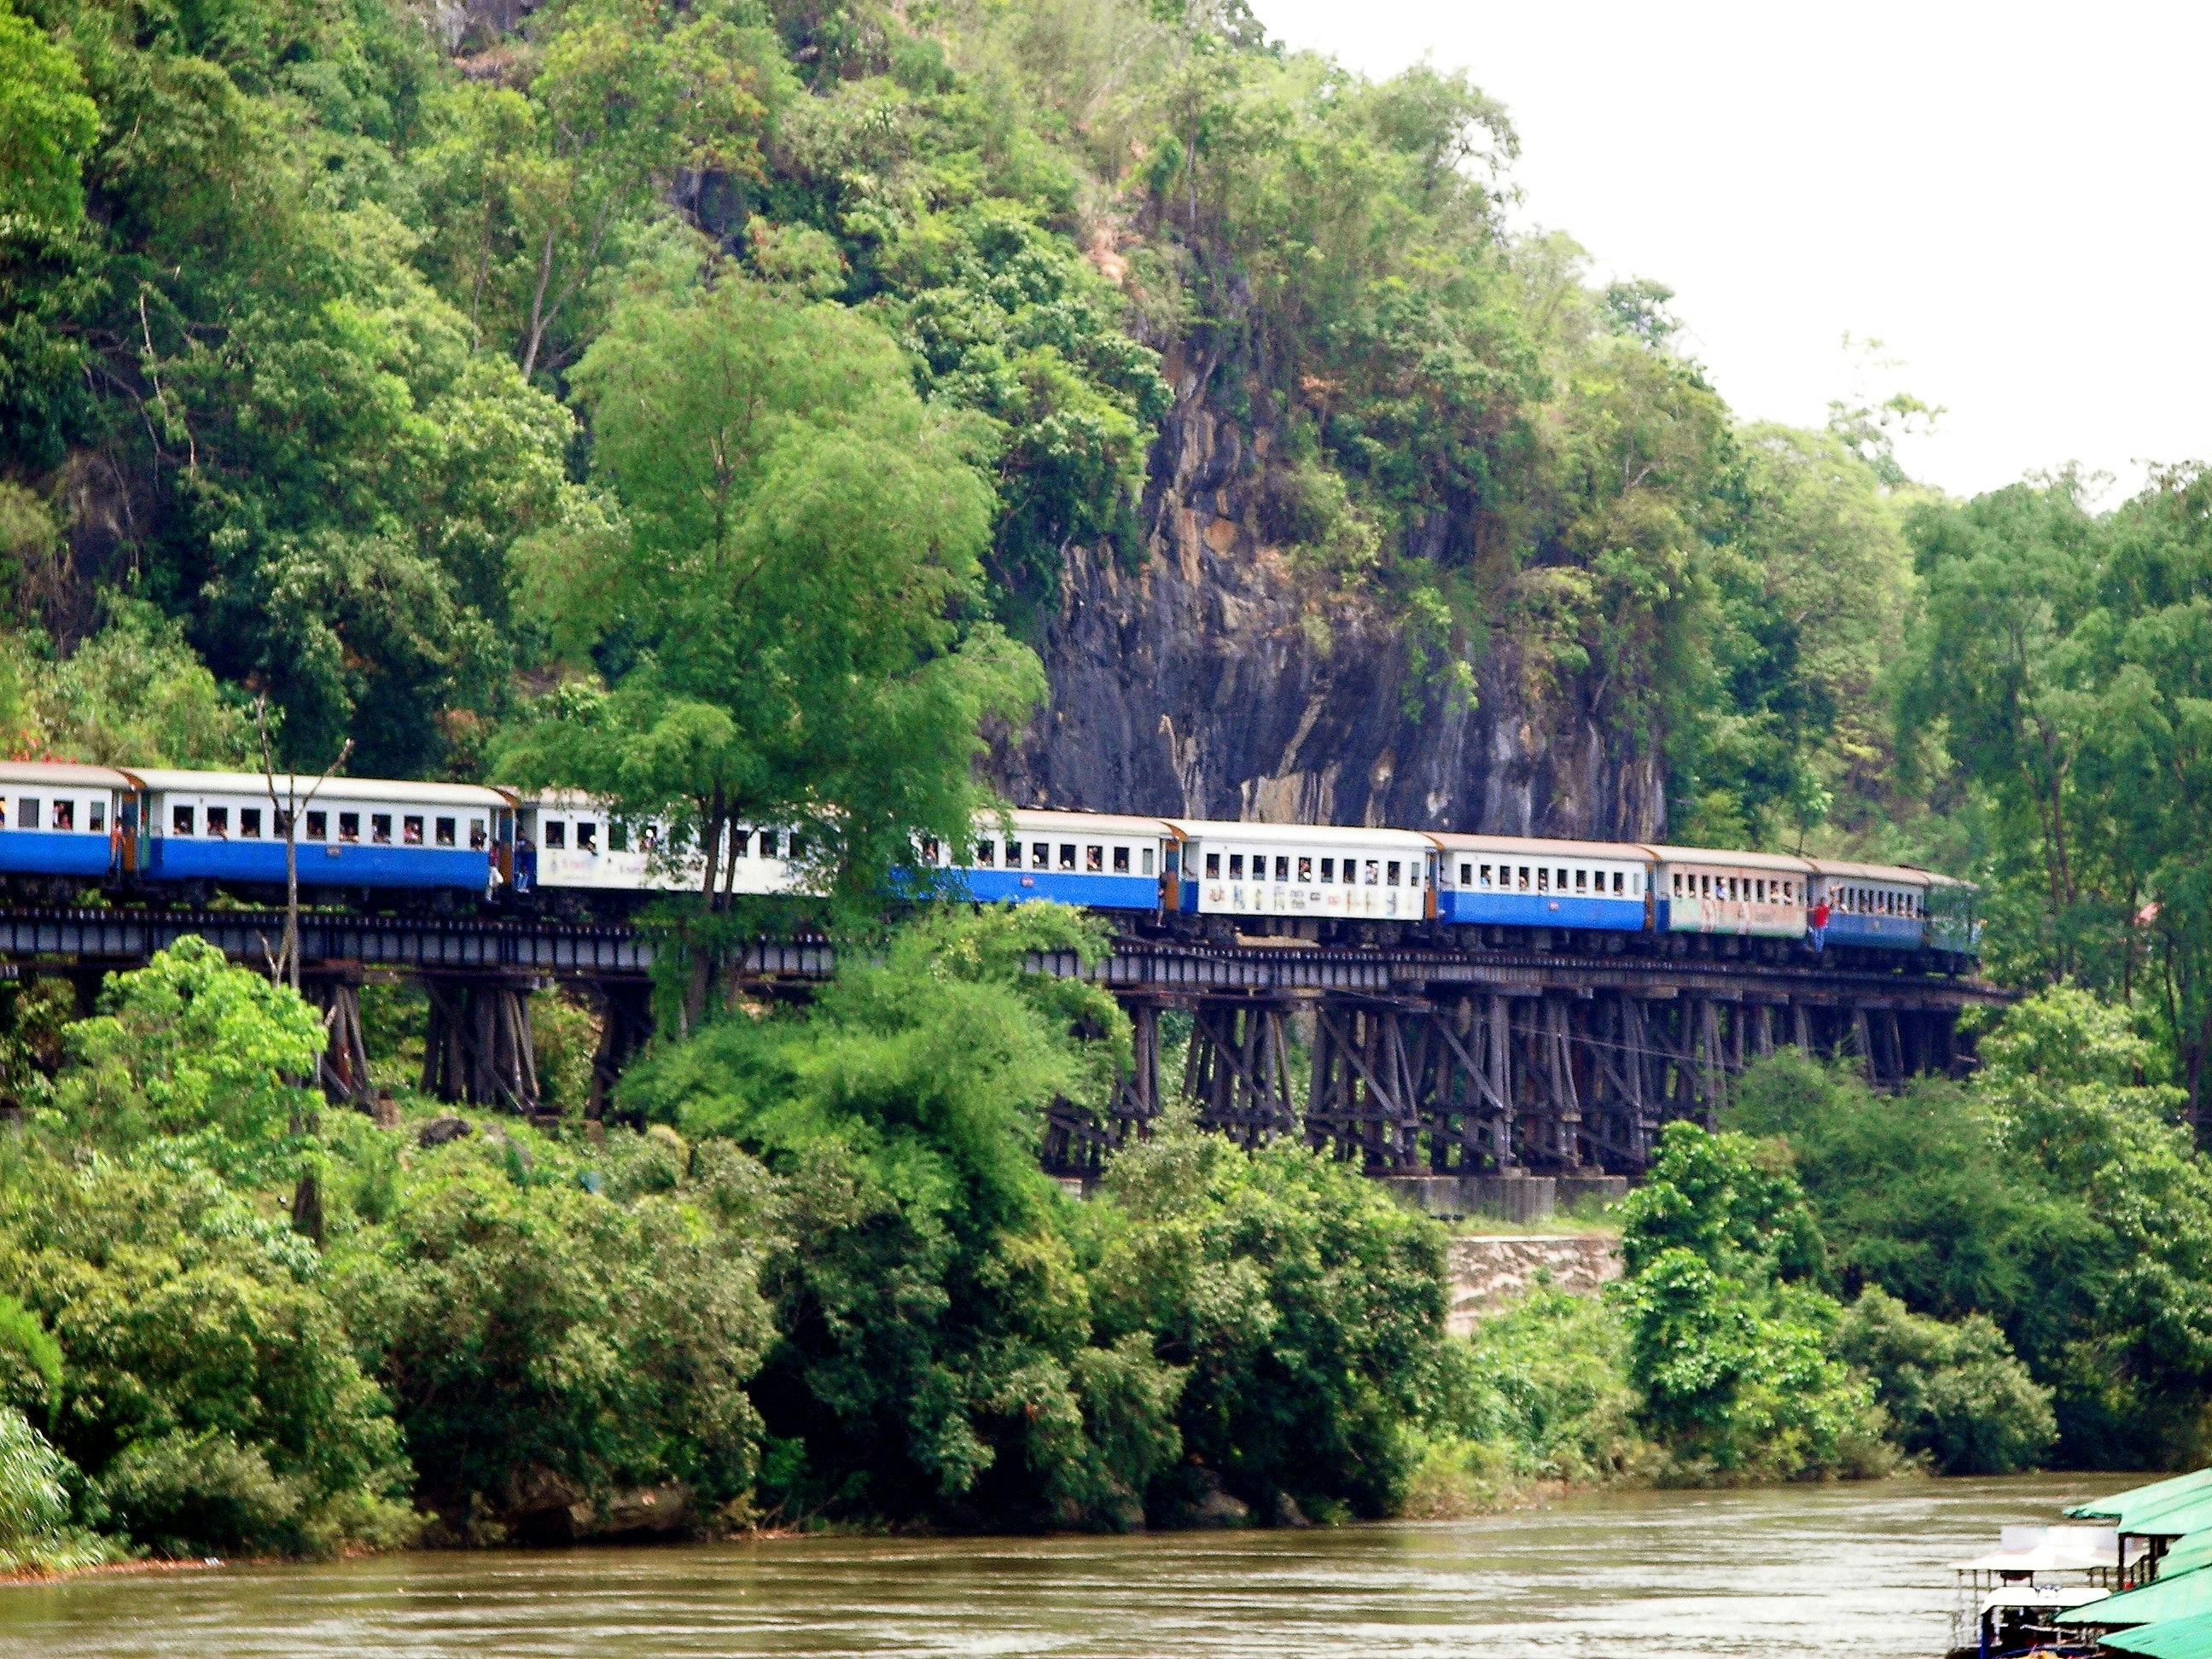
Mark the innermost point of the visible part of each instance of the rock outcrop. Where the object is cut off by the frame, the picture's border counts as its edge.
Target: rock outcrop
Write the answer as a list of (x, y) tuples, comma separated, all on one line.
[(1210, 680)]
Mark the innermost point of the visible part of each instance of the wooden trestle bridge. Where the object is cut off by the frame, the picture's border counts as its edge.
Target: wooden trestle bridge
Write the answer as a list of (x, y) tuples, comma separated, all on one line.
[(1418, 1060)]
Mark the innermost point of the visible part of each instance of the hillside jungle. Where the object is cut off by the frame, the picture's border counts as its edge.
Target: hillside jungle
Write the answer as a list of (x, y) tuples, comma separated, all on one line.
[(842, 414)]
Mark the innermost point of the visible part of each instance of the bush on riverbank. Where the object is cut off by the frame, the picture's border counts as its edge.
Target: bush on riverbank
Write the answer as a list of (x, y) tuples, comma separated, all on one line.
[(2054, 1192)]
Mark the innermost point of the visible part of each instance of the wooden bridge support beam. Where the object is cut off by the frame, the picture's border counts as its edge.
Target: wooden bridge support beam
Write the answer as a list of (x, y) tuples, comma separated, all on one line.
[(478, 1046), (1237, 1074), (342, 1071), (1363, 1100), (1463, 1086), (625, 1027)]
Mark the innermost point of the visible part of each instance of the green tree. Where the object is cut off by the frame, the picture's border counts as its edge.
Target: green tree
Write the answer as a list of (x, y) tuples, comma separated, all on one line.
[(545, 1344), (540, 191), (1307, 1305), (935, 1356), (1733, 1355), (781, 586), (1954, 1393), (197, 1051)]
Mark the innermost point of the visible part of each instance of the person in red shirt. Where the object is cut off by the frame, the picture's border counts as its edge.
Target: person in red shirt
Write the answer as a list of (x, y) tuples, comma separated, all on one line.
[(1818, 938)]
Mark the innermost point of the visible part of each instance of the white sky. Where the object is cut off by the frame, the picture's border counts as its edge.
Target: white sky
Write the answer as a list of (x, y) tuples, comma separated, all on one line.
[(2014, 201)]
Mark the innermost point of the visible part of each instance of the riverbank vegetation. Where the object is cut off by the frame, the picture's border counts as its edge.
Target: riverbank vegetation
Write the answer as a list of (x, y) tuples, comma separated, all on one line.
[(826, 1283)]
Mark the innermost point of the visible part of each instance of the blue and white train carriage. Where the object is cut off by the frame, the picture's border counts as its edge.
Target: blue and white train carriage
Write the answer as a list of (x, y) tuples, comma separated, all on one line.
[(1098, 860), (204, 830), (1880, 906), (62, 824), (1512, 881)]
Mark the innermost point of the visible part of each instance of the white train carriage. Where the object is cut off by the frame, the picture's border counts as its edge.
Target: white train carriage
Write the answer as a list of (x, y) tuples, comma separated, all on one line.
[(1747, 895), (1882, 905), (569, 842), (1300, 873), (1515, 881)]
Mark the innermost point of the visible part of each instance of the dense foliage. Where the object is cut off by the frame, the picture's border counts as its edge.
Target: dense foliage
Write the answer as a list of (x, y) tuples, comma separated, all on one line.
[(2054, 1195)]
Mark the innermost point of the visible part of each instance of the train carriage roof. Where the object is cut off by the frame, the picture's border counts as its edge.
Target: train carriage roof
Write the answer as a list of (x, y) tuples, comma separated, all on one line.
[(393, 791), (1721, 858), (1026, 818), (1542, 847), (1301, 834), (63, 775), (1903, 875)]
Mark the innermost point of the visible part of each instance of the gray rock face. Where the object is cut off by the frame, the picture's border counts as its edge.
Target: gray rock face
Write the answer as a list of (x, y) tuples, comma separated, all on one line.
[(1209, 682)]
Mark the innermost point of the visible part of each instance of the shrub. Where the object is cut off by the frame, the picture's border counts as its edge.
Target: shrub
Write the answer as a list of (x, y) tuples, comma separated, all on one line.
[(201, 1494), (531, 1331), (1307, 1305), (182, 1315), (1955, 1394)]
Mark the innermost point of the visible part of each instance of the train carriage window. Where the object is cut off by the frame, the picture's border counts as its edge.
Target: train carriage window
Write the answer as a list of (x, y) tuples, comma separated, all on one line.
[(1485, 876), (27, 813), (1236, 866), (1524, 878), (1094, 858), (1374, 874), (1120, 861), (794, 846), (1040, 856), (1329, 873), (318, 826), (556, 832), (1543, 879), (1145, 867), (1466, 875), (1213, 866), (410, 829), (1582, 881), (3, 814), (587, 836), (1390, 876), (95, 816), (249, 822), (181, 818), (1562, 875), (1068, 855), (379, 828), (986, 852), (1678, 884), (1305, 871), (1282, 867), (476, 834), (218, 821), (64, 815), (443, 831)]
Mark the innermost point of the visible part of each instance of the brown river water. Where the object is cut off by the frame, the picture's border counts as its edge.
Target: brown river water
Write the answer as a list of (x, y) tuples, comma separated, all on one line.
[(1849, 1569)]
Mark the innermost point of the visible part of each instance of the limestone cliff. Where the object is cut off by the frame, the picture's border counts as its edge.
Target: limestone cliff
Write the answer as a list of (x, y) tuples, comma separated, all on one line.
[(1209, 682)]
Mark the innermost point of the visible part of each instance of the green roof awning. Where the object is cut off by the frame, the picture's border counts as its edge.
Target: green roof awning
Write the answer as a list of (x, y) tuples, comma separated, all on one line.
[(2183, 1595), (2174, 1517), (2186, 1555), (2170, 1638), (2123, 1506)]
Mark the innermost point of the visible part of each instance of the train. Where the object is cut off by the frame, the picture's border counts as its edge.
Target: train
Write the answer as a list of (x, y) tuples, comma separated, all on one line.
[(167, 835)]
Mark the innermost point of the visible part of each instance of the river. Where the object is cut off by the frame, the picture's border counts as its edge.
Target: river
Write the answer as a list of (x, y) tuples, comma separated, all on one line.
[(1820, 1570)]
